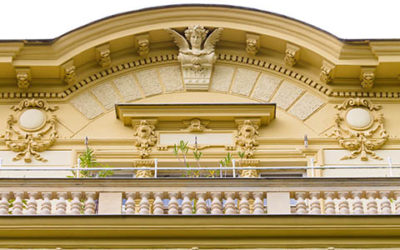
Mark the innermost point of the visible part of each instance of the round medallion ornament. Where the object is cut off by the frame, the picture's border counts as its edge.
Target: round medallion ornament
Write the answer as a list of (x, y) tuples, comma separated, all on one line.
[(359, 118), (32, 119)]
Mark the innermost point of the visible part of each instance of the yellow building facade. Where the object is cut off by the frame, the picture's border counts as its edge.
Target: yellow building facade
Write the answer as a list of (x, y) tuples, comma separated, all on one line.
[(202, 127)]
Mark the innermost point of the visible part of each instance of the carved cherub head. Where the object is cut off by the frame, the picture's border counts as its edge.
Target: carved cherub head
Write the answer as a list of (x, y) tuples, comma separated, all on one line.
[(196, 35)]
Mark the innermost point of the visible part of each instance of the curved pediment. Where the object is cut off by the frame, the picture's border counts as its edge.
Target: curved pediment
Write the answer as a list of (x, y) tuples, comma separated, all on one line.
[(56, 68)]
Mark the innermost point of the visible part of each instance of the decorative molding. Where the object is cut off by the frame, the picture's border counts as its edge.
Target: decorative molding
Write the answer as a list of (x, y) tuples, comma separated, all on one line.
[(367, 77), (252, 44), (144, 163), (69, 72), (359, 128), (249, 173), (197, 55), (145, 137), (103, 55), (246, 136), (33, 132), (326, 75), (23, 77), (222, 57), (292, 55), (195, 125), (143, 45)]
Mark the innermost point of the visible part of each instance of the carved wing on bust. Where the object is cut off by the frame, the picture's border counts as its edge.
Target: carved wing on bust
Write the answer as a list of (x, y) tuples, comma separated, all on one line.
[(212, 39), (179, 40)]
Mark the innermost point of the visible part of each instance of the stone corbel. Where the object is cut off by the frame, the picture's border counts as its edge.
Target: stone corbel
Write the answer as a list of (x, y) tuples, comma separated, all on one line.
[(292, 55), (103, 55), (246, 136), (143, 45), (23, 77), (145, 137), (327, 71), (367, 77), (252, 44), (68, 71)]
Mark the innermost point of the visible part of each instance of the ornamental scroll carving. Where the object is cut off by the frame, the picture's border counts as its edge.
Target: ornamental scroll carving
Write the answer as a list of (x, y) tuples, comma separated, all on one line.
[(33, 131), (145, 137), (196, 54), (359, 128)]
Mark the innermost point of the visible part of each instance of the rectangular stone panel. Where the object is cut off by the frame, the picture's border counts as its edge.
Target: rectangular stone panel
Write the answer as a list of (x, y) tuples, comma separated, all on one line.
[(266, 87), (148, 79), (87, 105), (171, 77), (305, 106), (286, 95), (222, 78), (106, 94), (244, 81), (128, 88), (278, 203), (110, 203)]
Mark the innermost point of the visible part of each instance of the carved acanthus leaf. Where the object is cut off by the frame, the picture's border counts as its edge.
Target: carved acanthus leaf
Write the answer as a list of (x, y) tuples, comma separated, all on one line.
[(34, 103)]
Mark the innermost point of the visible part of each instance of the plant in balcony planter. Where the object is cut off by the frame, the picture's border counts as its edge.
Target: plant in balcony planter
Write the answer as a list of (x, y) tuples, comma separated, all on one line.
[(182, 149), (88, 160)]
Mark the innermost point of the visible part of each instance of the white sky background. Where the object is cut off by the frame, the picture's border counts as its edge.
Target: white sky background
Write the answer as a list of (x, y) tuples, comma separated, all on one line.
[(349, 19)]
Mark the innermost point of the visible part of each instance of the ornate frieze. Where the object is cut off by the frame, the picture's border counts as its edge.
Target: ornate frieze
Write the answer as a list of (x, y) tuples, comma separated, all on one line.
[(197, 55), (103, 55), (33, 131), (143, 45), (145, 137), (367, 77), (359, 128), (252, 44), (292, 55)]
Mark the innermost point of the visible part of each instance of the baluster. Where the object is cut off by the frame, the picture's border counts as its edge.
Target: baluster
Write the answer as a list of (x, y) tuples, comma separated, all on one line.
[(315, 205), (397, 202), (201, 205), (187, 203), (343, 203), (130, 203), (358, 207), (329, 203), (372, 205), (386, 206), (144, 205), (158, 203), (61, 206), (244, 206), (32, 203), (230, 207), (18, 205), (45, 207), (173, 205), (216, 204), (301, 206), (76, 204), (258, 202), (90, 203), (4, 205)]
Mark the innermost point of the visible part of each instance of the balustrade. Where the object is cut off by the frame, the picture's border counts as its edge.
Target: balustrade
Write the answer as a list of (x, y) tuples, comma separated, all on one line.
[(240, 197)]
